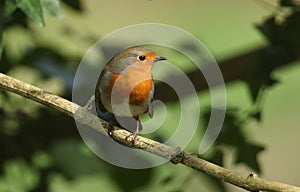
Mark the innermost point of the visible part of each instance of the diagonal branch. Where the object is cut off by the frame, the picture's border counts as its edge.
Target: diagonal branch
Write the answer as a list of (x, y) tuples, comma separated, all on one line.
[(249, 182)]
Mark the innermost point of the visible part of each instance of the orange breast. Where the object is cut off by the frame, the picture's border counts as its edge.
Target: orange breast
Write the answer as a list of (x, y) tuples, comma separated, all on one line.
[(134, 85), (140, 93)]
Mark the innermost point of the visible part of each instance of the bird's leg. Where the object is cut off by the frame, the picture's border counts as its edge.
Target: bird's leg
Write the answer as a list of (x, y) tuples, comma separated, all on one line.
[(138, 124), (136, 132), (111, 126)]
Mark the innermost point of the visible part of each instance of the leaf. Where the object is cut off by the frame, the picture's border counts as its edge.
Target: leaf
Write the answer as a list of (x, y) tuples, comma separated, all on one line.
[(69, 166), (255, 84), (18, 176), (90, 182), (231, 133), (33, 9), (269, 28), (247, 154), (9, 7), (217, 158), (1, 42), (291, 29), (75, 4), (288, 3), (52, 7), (41, 160)]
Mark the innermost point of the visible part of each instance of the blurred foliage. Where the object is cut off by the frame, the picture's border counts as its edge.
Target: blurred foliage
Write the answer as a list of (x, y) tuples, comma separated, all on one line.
[(41, 149), (282, 31)]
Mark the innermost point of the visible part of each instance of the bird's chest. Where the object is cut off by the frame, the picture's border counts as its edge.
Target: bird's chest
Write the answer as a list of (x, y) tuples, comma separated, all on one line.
[(131, 91)]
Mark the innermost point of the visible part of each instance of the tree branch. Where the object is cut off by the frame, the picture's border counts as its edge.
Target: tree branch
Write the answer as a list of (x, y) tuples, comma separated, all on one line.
[(83, 115)]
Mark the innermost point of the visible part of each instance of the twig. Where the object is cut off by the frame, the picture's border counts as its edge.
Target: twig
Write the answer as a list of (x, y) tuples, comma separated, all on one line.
[(84, 116)]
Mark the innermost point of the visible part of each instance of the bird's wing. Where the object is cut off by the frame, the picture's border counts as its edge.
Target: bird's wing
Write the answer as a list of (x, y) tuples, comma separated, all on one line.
[(151, 105), (98, 103), (151, 109)]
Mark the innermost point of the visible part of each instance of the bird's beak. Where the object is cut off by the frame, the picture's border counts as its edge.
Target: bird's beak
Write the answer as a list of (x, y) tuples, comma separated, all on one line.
[(158, 58)]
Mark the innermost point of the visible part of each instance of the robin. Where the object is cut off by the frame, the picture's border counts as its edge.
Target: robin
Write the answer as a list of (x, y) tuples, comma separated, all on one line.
[(125, 86)]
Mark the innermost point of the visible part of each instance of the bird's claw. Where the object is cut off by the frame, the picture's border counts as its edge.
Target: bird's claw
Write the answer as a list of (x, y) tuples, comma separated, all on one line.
[(134, 136)]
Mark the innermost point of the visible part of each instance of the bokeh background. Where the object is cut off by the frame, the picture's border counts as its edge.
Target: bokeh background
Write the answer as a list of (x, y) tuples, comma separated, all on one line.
[(41, 149)]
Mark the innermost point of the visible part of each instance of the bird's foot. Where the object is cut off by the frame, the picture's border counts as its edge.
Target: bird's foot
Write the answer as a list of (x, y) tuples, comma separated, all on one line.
[(111, 128), (134, 136)]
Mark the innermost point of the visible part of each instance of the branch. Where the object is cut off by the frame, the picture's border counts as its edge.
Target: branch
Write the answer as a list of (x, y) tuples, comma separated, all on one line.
[(83, 115)]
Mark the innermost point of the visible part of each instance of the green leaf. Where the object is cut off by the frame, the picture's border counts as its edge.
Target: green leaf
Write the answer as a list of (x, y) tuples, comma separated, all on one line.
[(18, 176), (1, 42), (73, 150), (288, 3), (217, 158), (90, 182), (255, 84), (33, 9), (52, 7), (74, 4), (270, 29), (248, 155), (9, 7), (231, 133), (41, 160)]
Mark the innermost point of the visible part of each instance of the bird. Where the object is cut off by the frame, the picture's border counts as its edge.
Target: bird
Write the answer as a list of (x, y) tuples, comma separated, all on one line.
[(125, 86)]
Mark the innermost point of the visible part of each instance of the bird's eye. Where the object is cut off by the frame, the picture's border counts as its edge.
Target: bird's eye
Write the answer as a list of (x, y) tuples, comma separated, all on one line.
[(142, 57)]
